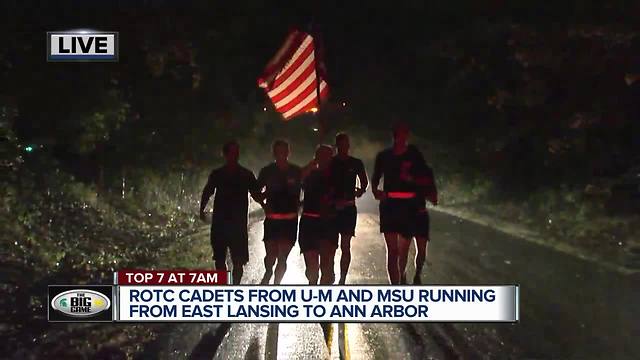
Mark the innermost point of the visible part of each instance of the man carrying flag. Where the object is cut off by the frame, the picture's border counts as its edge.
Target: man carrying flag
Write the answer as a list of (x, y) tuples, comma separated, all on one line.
[(293, 79)]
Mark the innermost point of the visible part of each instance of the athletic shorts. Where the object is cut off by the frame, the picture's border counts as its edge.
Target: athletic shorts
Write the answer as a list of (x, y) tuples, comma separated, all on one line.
[(230, 234), (398, 216), (422, 224), (346, 220), (317, 232), (275, 229)]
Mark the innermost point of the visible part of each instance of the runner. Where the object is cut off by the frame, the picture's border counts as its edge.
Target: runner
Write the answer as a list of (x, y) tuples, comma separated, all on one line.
[(317, 236), (345, 169), (399, 166), (230, 183), (282, 182), (428, 191)]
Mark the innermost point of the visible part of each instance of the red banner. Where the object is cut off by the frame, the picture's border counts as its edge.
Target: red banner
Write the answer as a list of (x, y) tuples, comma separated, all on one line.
[(171, 277)]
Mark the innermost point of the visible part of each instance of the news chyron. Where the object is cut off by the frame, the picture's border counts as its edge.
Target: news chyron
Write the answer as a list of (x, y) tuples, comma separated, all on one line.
[(82, 46)]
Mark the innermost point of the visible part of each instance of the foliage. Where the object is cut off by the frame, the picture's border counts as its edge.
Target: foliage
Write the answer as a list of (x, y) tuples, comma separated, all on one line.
[(55, 230)]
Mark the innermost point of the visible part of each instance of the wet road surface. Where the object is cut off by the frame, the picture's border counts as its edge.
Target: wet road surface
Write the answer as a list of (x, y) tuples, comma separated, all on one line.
[(569, 308)]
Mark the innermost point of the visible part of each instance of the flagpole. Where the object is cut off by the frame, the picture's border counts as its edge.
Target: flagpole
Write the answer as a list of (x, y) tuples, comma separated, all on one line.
[(319, 113), (321, 125)]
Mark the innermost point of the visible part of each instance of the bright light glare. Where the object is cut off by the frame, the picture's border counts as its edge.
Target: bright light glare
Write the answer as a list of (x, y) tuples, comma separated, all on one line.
[(314, 109), (347, 340), (315, 129), (81, 31)]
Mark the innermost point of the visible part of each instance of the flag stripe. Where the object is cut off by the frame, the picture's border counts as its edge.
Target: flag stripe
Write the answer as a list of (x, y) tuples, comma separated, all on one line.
[(304, 46), (296, 90), (291, 78), (302, 94), (298, 76), (280, 59), (314, 103), (306, 104), (300, 58)]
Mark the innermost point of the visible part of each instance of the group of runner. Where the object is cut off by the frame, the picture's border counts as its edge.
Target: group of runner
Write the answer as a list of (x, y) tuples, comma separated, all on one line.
[(330, 184)]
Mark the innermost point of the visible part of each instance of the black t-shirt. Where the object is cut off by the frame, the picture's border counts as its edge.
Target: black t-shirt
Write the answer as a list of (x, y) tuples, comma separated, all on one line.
[(399, 171), (344, 173), (231, 187), (318, 192), (282, 187)]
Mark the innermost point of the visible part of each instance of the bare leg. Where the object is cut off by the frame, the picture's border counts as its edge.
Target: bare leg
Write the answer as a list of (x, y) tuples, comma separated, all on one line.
[(271, 248), (312, 263), (392, 257), (403, 253), (421, 256), (284, 248), (327, 260), (345, 259)]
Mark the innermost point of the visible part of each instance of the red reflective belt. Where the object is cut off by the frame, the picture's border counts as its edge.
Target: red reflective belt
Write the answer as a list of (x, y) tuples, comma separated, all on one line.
[(282, 216), (310, 214), (344, 203), (401, 195)]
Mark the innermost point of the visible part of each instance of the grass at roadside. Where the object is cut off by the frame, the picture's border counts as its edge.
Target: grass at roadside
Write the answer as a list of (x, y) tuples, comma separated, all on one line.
[(61, 234), (572, 219)]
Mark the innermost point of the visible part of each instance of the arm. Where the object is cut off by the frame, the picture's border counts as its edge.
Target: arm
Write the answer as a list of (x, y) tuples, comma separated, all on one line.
[(207, 192), (260, 194), (427, 185), (432, 194), (364, 181), (329, 197), (312, 165), (425, 179), (377, 175), (301, 181), (255, 190)]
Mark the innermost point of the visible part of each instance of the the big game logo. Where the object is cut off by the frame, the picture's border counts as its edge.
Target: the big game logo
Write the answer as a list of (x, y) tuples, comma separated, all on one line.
[(82, 303)]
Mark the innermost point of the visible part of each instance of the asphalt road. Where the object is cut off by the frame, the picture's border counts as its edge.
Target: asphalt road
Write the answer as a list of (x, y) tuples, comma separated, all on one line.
[(569, 308)]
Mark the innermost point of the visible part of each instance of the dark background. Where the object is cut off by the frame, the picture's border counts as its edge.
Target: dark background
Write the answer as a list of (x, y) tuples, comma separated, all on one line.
[(490, 78)]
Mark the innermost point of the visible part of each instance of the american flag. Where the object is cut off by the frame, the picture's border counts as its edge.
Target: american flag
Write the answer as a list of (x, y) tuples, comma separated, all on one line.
[(291, 77)]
